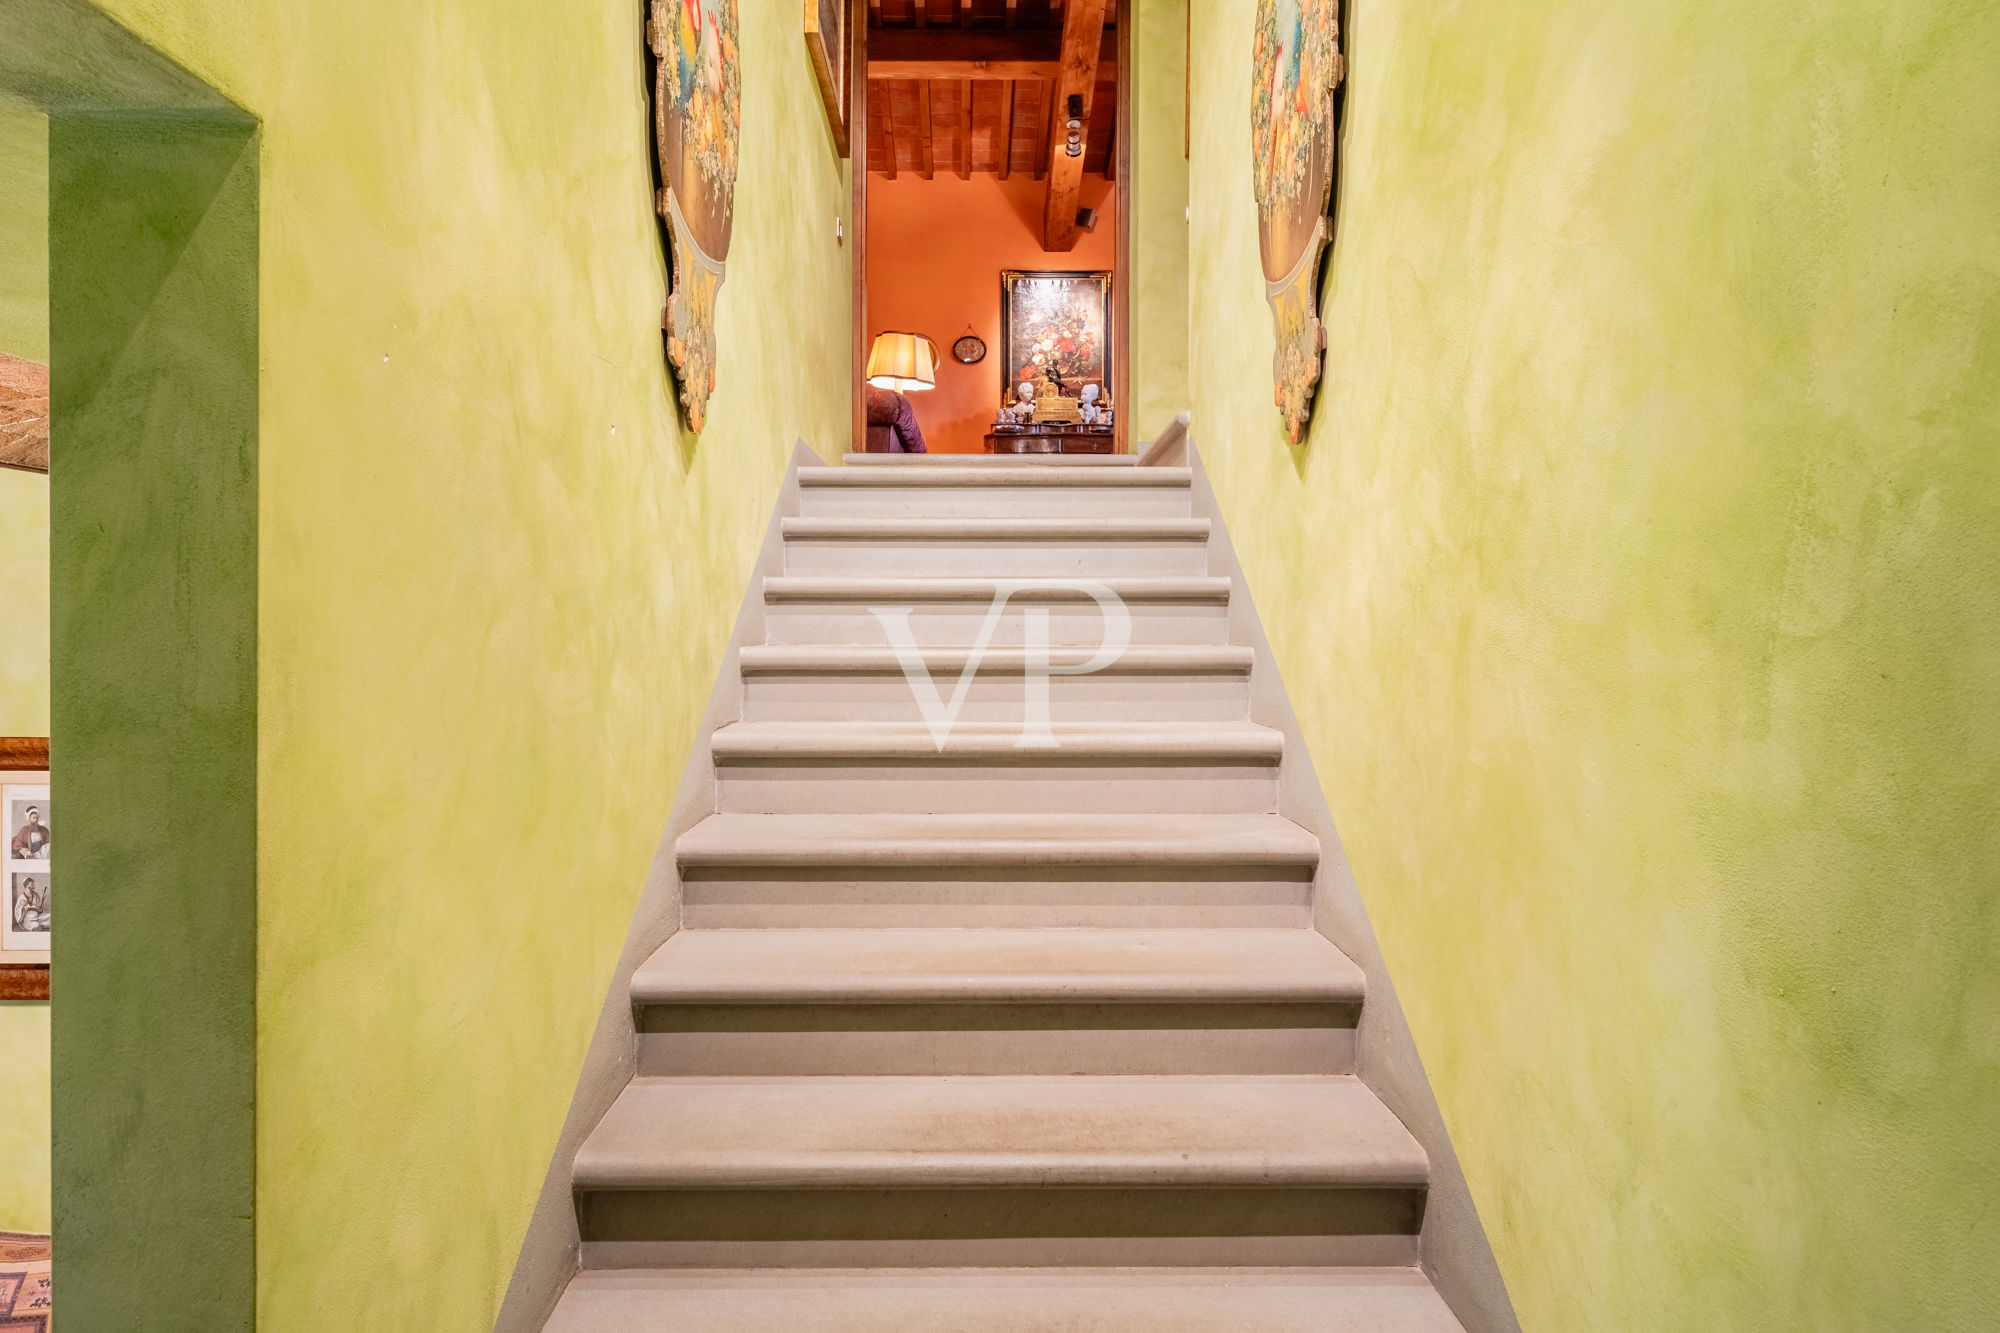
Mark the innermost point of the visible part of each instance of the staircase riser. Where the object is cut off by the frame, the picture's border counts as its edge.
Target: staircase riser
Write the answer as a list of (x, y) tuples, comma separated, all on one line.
[(1246, 896), (919, 787), (925, 1228), (972, 558), (788, 1040), (997, 502), (958, 625), (999, 698), (1365, 1251)]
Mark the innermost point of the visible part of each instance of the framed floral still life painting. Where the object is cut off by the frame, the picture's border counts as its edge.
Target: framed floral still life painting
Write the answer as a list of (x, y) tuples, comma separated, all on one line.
[(27, 837), (1294, 139), (697, 124), (1055, 330)]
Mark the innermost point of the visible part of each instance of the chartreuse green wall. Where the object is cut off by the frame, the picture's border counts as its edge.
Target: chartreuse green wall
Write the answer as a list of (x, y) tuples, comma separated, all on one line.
[(24, 496), (1638, 588), (1159, 237), (24, 227), (24, 633), (494, 578)]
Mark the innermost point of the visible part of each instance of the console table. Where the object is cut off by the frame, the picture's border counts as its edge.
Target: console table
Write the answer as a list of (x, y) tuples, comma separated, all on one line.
[(1052, 440)]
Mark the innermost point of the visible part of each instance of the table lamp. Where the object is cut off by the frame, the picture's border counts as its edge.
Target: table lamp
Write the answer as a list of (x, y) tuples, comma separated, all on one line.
[(902, 361)]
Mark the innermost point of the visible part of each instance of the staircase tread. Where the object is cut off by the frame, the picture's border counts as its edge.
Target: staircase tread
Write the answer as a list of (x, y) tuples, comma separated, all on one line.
[(917, 587), (1014, 1300), (953, 1131), (999, 741), (916, 965), (1030, 477), (1004, 529), (765, 658), (996, 839)]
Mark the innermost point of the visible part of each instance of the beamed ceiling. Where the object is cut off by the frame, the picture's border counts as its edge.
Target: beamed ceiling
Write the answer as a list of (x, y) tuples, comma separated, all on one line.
[(963, 86)]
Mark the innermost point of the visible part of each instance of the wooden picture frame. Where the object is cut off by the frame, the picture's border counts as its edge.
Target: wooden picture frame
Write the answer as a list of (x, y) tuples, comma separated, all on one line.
[(828, 47), (24, 763)]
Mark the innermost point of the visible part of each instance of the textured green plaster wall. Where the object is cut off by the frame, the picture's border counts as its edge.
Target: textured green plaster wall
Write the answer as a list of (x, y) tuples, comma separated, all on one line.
[(24, 633), (24, 1118), (24, 230), (496, 579), (24, 607), (24, 496), (1638, 588), (153, 711), (1159, 255)]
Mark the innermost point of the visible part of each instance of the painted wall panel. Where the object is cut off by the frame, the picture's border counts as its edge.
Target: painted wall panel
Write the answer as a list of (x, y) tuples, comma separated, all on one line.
[(495, 578), (1638, 588)]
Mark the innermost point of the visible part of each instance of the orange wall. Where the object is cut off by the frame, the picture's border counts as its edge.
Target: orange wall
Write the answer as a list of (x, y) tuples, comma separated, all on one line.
[(935, 251)]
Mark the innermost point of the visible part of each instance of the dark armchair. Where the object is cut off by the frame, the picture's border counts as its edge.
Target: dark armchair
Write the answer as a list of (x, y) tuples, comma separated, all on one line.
[(892, 424)]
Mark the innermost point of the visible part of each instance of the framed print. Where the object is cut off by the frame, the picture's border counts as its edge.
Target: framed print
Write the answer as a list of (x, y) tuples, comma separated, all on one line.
[(826, 43), (27, 836), (1055, 329)]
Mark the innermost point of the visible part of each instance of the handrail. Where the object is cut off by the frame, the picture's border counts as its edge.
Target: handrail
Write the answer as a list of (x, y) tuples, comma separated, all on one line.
[(1170, 450)]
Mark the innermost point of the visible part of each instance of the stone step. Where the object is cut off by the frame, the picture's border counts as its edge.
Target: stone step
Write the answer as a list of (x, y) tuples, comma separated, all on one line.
[(1111, 768), (974, 492), (1017, 1169), (1170, 683), (891, 1300), (954, 1001), (1094, 548), (809, 610), (1065, 869)]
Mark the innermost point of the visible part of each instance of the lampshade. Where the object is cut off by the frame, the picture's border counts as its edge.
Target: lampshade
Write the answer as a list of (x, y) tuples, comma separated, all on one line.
[(902, 361)]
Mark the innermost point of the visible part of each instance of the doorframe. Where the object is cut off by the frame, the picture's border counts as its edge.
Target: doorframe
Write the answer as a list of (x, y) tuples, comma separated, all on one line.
[(857, 229), (1121, 280), (857, 166)]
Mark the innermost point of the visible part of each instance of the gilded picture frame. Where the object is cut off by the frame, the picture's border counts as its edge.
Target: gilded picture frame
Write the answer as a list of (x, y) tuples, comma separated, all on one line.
[(1055, 325)]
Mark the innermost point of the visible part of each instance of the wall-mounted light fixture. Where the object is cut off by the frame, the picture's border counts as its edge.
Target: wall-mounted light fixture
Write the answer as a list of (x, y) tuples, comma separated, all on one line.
[(1073, 145)]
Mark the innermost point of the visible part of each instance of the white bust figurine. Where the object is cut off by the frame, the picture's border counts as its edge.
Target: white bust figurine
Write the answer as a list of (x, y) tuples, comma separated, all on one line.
[(1022, 410), (1087, 408)]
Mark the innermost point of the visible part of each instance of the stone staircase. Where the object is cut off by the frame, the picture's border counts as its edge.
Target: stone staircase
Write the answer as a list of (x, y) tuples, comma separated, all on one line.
[(977, 1036)]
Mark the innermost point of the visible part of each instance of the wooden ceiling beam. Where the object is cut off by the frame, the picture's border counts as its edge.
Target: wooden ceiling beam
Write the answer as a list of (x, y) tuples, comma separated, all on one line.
[(1047, 92), (1006, 128), (1024, 53), (1083, 39), (928, 163), (888, 125), (965, 134)]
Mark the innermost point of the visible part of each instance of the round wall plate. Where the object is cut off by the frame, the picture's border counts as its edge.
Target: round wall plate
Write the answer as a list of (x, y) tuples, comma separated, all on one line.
[(969, 350)]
